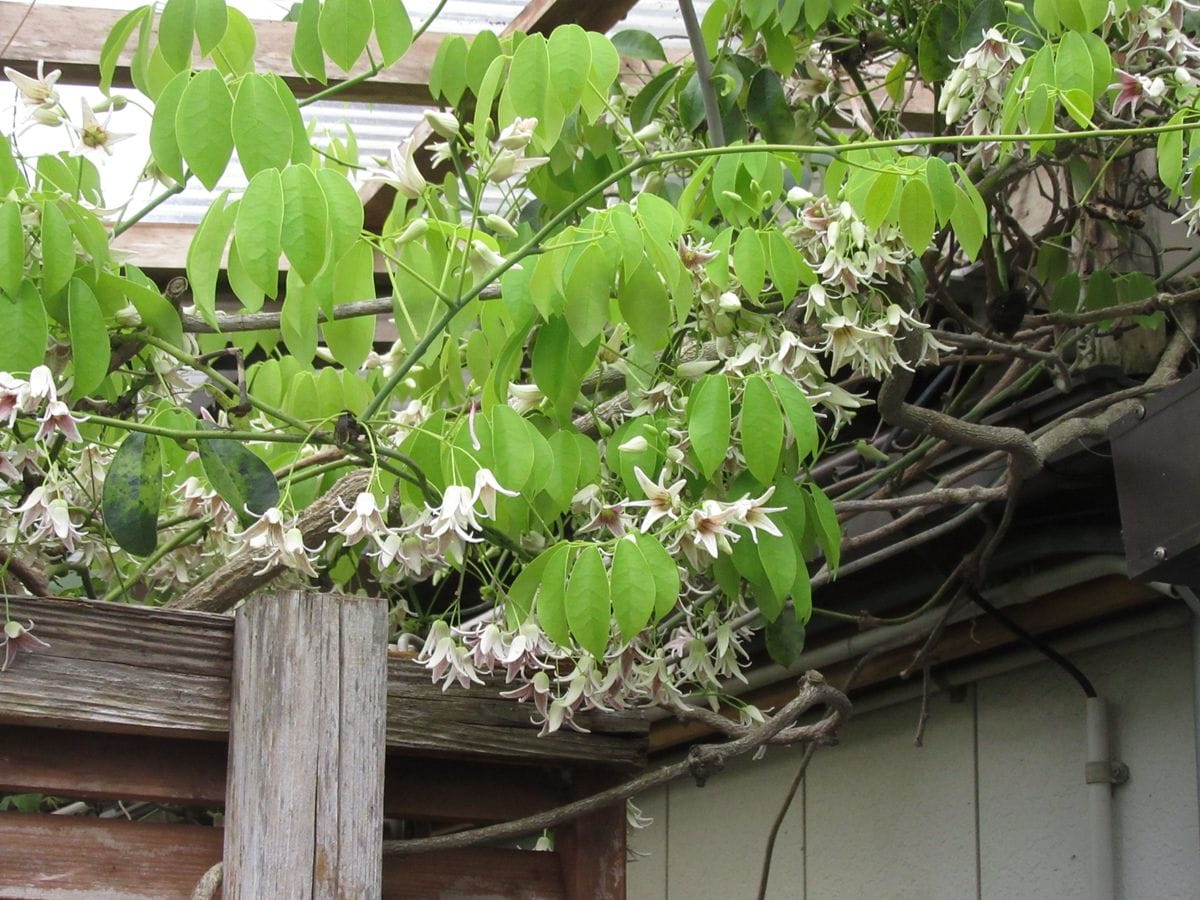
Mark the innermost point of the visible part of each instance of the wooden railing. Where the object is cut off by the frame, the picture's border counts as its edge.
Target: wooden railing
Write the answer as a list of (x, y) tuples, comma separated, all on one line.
[(331, 735)]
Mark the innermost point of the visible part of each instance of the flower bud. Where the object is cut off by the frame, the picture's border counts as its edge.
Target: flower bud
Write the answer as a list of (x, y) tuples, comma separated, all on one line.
[(443, 123), (415, 229), (634, 445), (728, 302), (499, 225), (651, 132)]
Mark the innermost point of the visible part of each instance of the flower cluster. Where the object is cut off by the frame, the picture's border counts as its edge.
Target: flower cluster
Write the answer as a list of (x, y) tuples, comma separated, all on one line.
[(974, 92), (37, 396)]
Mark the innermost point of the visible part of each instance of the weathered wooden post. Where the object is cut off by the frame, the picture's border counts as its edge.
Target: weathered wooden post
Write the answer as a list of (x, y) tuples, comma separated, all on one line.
[(304, 797)]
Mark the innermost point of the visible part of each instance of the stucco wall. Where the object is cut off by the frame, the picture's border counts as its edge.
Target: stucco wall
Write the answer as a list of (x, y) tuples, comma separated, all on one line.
[(993, 806)]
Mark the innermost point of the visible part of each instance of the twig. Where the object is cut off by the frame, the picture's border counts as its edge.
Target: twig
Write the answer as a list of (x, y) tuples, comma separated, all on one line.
[(30, 576), (704, 74), (809, 751), (703, 761), (923, 716), (243, 574), (935, 497), (228, 323), (209, 885), (1137, 308)]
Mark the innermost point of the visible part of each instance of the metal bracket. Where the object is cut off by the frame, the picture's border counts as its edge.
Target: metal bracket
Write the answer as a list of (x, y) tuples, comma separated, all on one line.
[(1106, 772)]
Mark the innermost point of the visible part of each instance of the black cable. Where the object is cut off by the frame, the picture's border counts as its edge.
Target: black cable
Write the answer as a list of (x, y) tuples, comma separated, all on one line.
[(1035, 642)]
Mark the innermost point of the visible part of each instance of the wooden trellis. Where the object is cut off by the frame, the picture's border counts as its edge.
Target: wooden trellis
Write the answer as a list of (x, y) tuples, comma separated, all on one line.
[(331, 734)]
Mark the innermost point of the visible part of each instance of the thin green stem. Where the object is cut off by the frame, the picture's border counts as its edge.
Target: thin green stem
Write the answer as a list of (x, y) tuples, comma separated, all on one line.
[(184, 537)]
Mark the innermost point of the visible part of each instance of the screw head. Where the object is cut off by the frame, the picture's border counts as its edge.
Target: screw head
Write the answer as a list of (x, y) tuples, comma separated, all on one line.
[(1140, 411), (1160, 553)]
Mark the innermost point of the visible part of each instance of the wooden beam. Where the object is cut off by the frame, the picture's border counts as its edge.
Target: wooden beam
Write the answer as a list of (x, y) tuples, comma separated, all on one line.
[(69, 38), (477, 872), (114, 667), (111, 766), (304, 795), (67, 856), (71, 856), (100, 766), (593, 846)]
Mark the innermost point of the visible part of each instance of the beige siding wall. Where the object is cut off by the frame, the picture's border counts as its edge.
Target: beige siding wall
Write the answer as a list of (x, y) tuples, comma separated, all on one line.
[(993, 805)]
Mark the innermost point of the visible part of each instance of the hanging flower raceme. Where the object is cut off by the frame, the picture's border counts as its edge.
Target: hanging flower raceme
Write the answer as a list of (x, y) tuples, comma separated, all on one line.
[(275, 541)]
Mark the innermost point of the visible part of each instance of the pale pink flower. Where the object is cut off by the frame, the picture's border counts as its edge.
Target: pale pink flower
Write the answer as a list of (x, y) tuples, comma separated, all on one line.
[(661, 501), (362, 520), (752, 514), (57, 419), (486, 489), (17, 638)]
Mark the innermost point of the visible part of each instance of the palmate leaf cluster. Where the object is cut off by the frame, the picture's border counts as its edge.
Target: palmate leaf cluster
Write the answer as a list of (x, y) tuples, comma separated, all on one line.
[(587, 298)]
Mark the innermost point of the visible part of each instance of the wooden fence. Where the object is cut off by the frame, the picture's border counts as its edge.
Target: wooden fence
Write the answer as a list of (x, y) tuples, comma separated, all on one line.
[(295, 718)]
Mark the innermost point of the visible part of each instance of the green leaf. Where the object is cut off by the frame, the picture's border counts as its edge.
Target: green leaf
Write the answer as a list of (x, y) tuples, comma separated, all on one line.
[(761, 429), (133, 493), (1170, 156), (588, 604), (917, 216), (606, 65), (799, 412), (240, 477), (879, 199), (512, 447), (941, 188), (89, 339), (58, 250), (448, 75), (262, 128), (829, 532), (156, 312), (559, 364), (212, 19), (204, 256), (234, 55), (529, 77), (650, 98), (633, 588), (12, 248), (351, 340), (564, 476), (708, 422), (643, 301), (298, 318), (767, 108), (305, 221), (750, 263), (785, 640), (258, 230), (778, 558), (633, 43), (393, 29), (550, 604), (485, 47), (488, 89), (117, 38), (570, 59), (176, 27), (965, 222), (520, 594), (345, 212), (23, 324), (202, 126), (164, 144), (345, 27), (307, 56), (664, 572), (587, 291)]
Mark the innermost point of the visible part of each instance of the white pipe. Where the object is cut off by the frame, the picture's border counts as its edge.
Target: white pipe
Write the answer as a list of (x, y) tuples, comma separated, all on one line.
[(1100, 813)]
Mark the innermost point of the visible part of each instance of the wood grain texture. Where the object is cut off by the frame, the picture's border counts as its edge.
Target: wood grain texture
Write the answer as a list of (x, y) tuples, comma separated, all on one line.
[(94, 766), (69, 39), (593, 846), (57, 857), (481, 872), (111, 667), (304, 807)]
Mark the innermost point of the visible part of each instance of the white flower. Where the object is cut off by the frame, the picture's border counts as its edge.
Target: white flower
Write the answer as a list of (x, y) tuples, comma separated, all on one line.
[(274, 542), (662, 502), (16, 638), (517, 135), (753, 514), (483, 259), (364, 519), (706, 531), (456, 515), (401, 172), (41, 388), (14, 394), (94, 136), (57, 419), (445, 657), (635, 444), (35, 91), (486, 488), (511, 164), (524, 397)]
